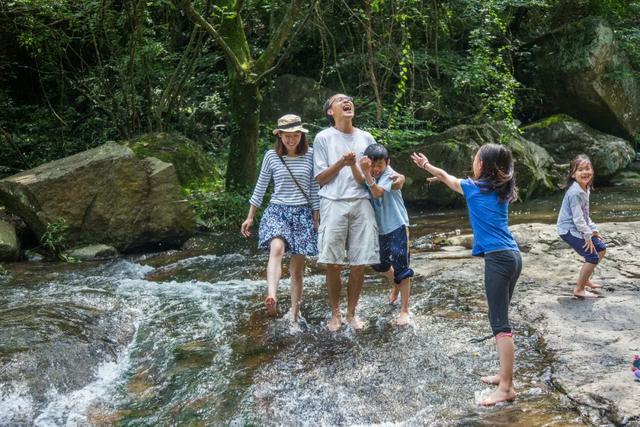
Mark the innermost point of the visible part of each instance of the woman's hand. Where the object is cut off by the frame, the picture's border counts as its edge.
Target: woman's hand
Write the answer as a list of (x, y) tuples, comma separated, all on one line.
[(588, 246), (245, 227), (597, 234), (316, 219), (420, 160)]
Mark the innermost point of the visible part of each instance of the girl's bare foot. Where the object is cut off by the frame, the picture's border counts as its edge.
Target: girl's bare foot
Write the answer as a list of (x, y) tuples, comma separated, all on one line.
[(498, 396), (491, 379), (334, 324), (355, 323), (393, 296), (271, 304), (582, 294), (402, 319)]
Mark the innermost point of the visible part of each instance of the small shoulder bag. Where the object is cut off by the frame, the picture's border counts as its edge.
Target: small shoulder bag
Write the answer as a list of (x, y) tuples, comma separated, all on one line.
[(295, 180)]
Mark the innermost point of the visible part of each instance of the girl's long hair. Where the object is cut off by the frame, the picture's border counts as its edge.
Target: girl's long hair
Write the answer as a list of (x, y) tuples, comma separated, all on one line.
[(497, 172), (573, 167)]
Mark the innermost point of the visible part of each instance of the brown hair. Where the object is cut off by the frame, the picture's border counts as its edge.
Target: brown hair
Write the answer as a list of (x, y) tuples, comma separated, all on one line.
[(301, 149), (573, 168), (497, 172)]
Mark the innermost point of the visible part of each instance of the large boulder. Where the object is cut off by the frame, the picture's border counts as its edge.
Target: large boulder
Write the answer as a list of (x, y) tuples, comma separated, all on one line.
[(291, 94), (103, 195), (564, 137), (454, 149), (582, 72), (191, 163), (9, 243)]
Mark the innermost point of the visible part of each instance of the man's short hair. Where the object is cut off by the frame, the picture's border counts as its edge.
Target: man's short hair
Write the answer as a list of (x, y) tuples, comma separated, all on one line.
[(376, 152), (326, 107)]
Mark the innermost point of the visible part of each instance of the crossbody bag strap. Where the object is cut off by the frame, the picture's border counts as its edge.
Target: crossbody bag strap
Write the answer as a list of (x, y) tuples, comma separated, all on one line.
[(295, 180)]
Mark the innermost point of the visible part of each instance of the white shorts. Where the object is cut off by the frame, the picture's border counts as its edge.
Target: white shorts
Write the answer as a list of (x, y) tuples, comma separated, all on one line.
[(348, 232)]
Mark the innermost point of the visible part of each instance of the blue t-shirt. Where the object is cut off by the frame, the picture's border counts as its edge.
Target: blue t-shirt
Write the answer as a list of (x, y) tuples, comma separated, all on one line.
[(389, 209), (489, 220)]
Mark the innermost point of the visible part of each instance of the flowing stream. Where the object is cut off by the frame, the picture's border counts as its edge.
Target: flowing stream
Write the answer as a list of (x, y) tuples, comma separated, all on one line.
[(180, 338)]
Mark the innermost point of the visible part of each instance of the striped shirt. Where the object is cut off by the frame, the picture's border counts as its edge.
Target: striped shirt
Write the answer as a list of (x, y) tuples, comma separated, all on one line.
[(286, 192)]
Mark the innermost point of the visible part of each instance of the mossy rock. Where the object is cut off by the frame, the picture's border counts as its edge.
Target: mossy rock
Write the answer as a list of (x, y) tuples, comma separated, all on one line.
[(565, 137), (581, 70), (191, 163), (454, 149)]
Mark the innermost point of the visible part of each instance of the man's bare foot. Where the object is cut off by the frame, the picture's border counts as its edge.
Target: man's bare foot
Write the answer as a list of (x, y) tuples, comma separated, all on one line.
[(355, 323), (498, 396), (334, 324), (393, 296), (271, 305), (491, 379), (584, 294), (593, 285), (402, 319)]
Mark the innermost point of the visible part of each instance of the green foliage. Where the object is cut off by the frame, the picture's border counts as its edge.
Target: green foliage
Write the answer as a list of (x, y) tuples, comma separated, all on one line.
[(217, 209), (74, 74), (486, 75), (3, 271), (54, 239)]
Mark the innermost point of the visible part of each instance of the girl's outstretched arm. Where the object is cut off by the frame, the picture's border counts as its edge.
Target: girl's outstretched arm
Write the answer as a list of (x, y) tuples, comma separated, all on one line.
[(449, 180)]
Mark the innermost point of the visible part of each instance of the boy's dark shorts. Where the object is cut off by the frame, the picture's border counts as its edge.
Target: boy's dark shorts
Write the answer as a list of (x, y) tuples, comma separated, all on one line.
[(578, 245), (394, 251)]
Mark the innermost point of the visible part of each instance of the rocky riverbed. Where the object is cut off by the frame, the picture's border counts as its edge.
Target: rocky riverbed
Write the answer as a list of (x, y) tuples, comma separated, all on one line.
[(592, 341)]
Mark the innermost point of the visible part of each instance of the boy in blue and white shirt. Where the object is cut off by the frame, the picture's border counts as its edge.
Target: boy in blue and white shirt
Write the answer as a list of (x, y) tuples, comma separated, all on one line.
[(393, 222)]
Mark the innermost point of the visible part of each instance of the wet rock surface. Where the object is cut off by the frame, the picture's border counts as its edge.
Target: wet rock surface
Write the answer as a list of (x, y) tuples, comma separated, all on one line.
[(592, 341)]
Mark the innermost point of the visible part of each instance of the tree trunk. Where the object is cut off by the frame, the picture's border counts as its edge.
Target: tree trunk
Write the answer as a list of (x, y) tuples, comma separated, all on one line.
[(245, 116)]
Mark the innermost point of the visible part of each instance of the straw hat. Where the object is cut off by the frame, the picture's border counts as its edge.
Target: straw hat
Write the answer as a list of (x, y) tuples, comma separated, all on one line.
[(289, 123)]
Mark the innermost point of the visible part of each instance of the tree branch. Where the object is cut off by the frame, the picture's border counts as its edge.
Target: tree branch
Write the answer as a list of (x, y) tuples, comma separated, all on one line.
[(199, 20), (276, 43)]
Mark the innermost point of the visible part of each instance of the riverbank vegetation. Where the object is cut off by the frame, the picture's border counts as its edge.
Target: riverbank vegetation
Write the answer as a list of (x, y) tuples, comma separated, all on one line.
[(74, 74)]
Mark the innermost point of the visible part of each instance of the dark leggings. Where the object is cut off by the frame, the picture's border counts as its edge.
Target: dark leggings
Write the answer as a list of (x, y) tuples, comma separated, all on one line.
[(501, 272)]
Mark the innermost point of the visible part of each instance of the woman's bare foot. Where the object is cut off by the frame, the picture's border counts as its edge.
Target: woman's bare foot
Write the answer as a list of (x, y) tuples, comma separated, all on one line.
[(498, 396), (491, 379), (402, 319), (334, 324), (271, 305), (593, 285), (393, 296), (355, 323), (582, 294)]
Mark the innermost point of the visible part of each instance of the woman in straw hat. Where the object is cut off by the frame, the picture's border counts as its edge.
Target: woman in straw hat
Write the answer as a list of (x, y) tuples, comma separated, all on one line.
[(290, 221)]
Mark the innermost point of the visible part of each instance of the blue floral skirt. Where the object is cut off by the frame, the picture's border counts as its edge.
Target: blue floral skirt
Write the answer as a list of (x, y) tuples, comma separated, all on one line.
[(294, 224)]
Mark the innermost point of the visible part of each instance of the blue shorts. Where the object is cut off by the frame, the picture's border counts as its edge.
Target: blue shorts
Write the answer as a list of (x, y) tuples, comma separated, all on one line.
[(394, 251), (578, 245)]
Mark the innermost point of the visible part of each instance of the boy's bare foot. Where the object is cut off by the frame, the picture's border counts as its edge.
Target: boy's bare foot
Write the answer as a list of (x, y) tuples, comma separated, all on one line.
[(334, 324), (393, 296), (271, 305), (584, 294), (498, 396), (593, 285), (402, 319), (491, 379), (355, 323)]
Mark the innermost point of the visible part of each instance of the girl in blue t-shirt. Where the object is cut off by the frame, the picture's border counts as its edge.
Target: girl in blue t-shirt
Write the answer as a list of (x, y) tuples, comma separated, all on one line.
[(488, 196)]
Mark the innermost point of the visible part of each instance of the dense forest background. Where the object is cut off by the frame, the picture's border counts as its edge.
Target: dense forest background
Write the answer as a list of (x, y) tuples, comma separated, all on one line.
[(77, 73)]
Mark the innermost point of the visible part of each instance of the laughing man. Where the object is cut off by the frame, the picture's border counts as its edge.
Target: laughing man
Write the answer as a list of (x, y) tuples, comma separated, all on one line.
[(348, 233)]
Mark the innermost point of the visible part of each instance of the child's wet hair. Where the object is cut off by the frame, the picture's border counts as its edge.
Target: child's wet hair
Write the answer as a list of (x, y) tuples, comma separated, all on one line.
[(573, 168), (376, 152), (497, 172)]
